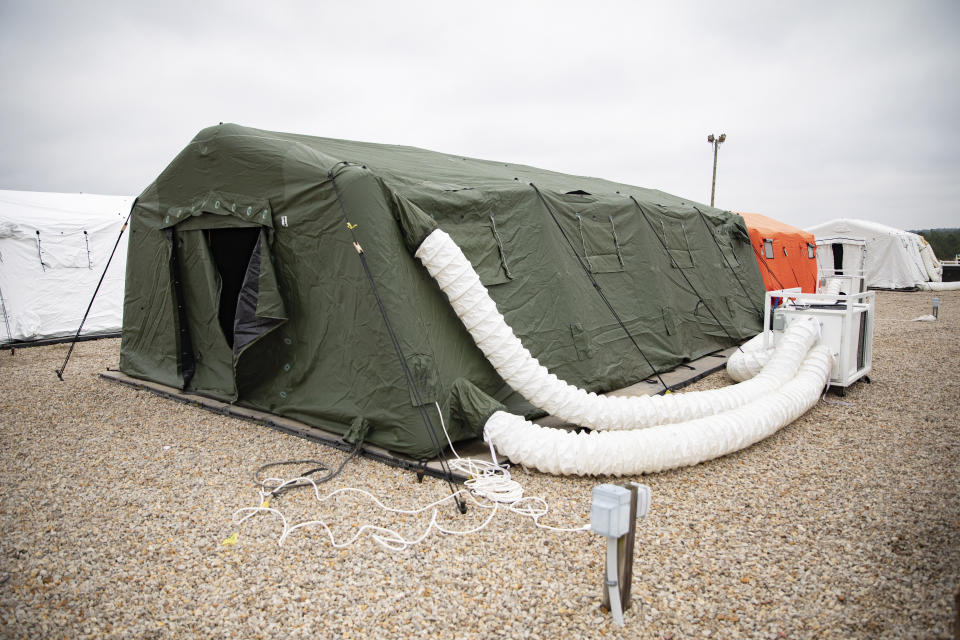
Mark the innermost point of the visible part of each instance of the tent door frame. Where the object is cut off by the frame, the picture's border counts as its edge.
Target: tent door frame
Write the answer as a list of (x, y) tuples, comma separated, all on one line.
[(208, 356)]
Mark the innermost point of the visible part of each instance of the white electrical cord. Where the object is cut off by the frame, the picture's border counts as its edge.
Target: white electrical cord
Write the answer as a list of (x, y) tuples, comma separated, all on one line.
[(487, 480), (387, 538), (492, 481)]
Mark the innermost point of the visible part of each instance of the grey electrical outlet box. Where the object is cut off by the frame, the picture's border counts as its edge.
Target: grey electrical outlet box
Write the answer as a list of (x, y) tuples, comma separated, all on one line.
[(610, 512), (779, 322)]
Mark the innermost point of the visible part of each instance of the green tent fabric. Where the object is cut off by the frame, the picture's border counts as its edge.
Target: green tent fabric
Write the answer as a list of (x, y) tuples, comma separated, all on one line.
[(244, 282)]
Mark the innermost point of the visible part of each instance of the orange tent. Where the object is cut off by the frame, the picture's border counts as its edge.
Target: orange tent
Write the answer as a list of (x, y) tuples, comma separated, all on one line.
[(787, 256)]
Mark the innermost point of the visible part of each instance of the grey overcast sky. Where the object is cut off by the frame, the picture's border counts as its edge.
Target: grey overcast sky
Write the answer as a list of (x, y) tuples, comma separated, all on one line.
[(830, 108)]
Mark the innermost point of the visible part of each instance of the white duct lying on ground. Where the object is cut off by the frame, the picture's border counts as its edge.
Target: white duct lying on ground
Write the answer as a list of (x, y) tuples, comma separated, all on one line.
[(684, 428), (939, 286), (478, 312)]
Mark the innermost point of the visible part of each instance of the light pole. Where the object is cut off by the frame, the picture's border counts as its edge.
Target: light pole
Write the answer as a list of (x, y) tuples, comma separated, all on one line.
[(716, 142)]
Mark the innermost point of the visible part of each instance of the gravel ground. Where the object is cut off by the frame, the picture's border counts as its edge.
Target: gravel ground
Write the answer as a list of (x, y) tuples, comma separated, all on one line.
[(845, 524)]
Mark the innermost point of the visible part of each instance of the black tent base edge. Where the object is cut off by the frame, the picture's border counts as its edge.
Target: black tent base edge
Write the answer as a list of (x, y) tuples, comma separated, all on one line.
[(45, 342), (430, 468)]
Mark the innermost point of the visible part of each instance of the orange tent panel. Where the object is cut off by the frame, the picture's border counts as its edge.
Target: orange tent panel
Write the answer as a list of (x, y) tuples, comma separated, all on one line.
[(786, 255)]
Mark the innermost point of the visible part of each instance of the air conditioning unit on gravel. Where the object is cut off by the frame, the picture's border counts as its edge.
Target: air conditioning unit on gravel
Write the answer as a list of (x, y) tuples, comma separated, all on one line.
[(846, 321)]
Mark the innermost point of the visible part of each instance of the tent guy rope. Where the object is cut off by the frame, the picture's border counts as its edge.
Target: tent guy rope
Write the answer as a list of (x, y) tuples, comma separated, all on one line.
[(63, 367)]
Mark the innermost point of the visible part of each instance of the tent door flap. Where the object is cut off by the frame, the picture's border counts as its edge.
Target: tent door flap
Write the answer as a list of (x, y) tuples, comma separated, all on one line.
[(231, 249), (229, 297), (259, 308)]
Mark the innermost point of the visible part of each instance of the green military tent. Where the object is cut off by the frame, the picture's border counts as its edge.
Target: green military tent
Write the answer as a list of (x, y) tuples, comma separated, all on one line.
[(246, 282)]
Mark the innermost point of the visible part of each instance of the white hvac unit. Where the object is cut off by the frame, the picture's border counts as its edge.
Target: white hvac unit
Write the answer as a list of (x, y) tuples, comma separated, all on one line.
[(846, 322)]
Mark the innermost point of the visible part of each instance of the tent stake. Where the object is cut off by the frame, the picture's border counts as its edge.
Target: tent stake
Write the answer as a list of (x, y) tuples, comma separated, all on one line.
[(95, 291)]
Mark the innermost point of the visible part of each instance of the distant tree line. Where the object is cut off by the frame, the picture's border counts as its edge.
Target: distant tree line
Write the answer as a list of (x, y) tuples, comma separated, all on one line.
[(945, 242)]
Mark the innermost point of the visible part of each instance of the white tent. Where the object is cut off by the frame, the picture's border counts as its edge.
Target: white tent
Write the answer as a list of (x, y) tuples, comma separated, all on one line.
[(892, 259), (53, 250)]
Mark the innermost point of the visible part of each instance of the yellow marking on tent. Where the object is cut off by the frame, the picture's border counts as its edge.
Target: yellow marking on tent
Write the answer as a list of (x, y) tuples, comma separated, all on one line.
[(352, 226)]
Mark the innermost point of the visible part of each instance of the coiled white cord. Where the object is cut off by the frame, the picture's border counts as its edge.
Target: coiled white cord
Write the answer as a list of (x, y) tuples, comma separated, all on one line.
[(489, 480)]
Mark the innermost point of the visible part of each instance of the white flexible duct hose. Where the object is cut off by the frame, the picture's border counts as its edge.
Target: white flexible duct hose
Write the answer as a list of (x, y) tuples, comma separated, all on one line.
[(939, 286), (930, 263), (661, 447), (478, 312), (747, 361)]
